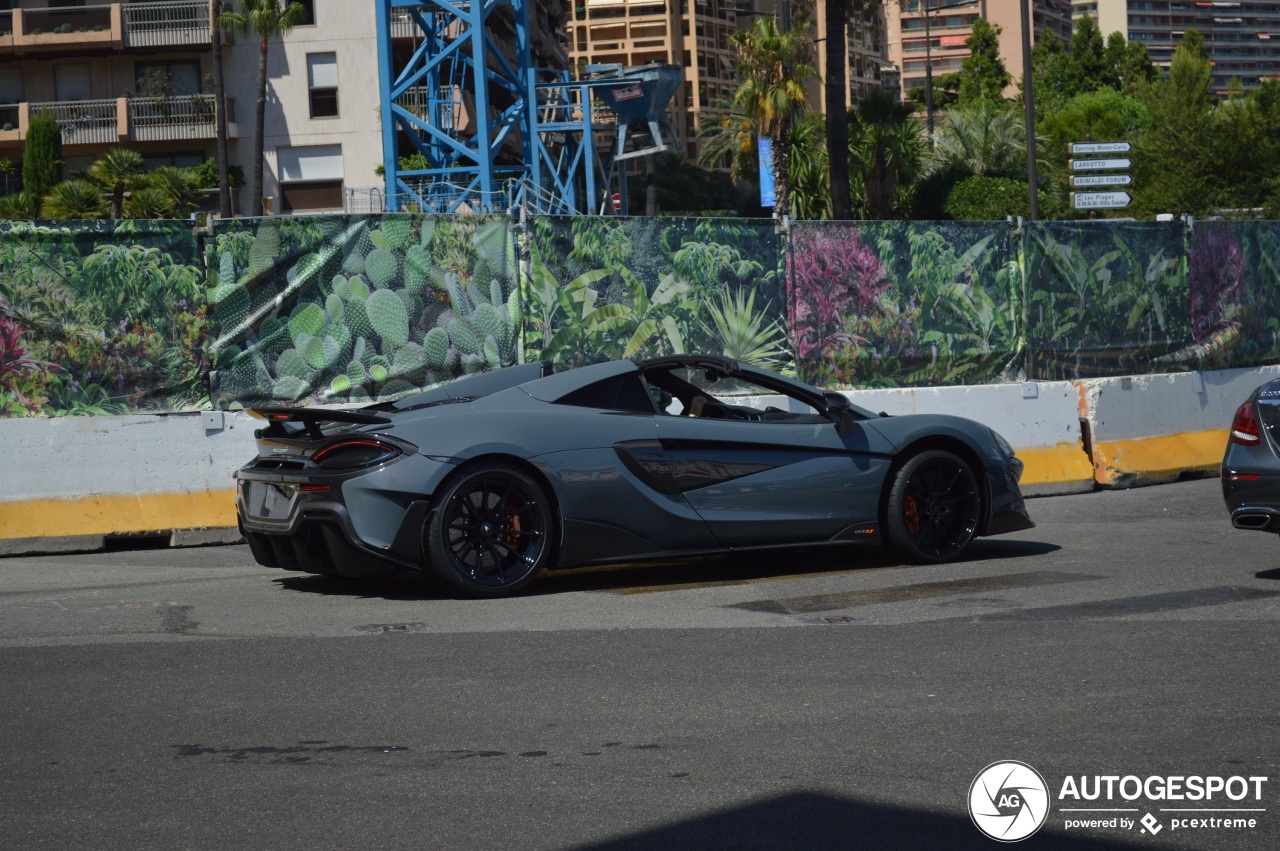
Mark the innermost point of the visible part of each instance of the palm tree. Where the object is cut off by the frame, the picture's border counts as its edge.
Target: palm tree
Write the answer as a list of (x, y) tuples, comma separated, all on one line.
[(149, 203), (119, 169), (21, 205), (888, 145), (268, 19), (985, 138), (170, 194), (728, 135), (807, 168), (220, 114), (75, 199), (772, 71), (836, 16)]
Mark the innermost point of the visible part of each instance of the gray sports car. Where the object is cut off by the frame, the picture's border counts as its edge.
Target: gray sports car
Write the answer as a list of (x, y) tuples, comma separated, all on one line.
[(489, 480)]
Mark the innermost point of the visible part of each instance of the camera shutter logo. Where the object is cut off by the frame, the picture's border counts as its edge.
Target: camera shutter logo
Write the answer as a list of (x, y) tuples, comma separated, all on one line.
[(1008, 801)]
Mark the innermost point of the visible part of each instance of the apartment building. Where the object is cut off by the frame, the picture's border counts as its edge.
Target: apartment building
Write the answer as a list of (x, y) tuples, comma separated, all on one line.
[(934, 32), (139, 74), (694, 34), (1242, 38), (122, 73)]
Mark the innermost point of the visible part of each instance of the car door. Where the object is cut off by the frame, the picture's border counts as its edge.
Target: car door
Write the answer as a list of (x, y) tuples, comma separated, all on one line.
[(777, 480)]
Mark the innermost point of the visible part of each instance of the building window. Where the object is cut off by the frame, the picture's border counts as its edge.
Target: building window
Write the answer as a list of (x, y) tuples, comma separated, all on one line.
[(322, 80), (73, 82), (310, 7), (310, 177), (156, 79)]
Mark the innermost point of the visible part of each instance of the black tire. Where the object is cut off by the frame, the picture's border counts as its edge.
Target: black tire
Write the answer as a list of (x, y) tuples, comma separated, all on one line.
[(491, 533), (934, 508)]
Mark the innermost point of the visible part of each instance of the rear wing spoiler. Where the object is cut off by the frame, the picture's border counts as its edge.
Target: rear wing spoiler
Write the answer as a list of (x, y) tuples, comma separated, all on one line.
[(310, 418)]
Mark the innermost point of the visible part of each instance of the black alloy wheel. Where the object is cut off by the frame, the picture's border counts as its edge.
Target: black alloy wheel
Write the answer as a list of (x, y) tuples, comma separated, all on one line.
[(491, 533), (934, 508)]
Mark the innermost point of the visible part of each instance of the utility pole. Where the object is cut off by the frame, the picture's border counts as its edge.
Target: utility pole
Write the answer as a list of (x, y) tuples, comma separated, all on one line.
[(1030, 99)]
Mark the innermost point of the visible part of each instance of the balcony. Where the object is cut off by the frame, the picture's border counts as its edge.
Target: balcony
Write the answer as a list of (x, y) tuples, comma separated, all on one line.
[(110, 26), (118, 120), (166, 24), (402, 26), (174, 118)]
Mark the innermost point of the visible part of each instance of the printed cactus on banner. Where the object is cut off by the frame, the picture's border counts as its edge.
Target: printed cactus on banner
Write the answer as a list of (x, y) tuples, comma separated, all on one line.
[(354, 309)]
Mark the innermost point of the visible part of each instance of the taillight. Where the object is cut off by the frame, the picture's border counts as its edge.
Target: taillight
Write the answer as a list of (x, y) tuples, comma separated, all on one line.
[(353, 454), (1244, 429)]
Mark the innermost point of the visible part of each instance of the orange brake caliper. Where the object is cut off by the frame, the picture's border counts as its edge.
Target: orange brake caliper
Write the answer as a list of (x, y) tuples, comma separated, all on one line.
[(911, 512)]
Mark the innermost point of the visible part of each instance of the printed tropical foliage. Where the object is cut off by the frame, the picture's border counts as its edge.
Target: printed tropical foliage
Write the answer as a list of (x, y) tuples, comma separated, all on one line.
[(903, 305), (602, 288), (100, 318), (1234, 295), (353, 309), (1109, 299)]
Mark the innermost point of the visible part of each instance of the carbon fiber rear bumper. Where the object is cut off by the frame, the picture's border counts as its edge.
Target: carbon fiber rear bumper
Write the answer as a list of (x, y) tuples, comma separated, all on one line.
[(319, 539)]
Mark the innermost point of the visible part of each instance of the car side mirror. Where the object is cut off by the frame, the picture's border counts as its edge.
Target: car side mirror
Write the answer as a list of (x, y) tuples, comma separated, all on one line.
[(840, 409)]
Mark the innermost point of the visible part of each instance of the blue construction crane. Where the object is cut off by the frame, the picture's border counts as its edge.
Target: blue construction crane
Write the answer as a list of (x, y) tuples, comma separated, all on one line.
[(491, 130)]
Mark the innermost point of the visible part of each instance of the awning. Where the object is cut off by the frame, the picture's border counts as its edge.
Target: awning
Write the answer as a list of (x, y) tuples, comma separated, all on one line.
[(953, 40)]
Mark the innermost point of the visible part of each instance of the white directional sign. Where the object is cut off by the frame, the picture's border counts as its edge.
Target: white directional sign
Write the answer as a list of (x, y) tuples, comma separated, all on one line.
[(1101, 165), (1100, 147), (1100, 200), (1101, 180)]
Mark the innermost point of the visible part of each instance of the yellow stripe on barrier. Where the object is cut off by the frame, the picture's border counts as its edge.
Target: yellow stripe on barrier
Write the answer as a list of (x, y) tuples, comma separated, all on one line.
[(1065, 463), (123, 514), (1158, 458)]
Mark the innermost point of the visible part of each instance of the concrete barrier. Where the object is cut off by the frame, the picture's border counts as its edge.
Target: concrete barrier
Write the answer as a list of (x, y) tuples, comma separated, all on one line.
[(1149, 429), (73, 483), (77, 482), (1040, 419)]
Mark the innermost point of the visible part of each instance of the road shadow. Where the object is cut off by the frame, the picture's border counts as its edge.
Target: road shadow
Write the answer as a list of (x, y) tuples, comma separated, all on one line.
[(670, 574), (1273, 573), (818, 820), (992, 549), (408, 586)]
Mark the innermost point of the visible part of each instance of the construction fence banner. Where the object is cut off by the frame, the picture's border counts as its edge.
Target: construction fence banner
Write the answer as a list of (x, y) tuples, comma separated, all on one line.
[(598, 288), (356, 309), (1107, 298), (101, 317), (115, 317), (905, 304)]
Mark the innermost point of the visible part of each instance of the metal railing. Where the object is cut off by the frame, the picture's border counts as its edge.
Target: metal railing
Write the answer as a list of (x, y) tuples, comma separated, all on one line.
[(436, 198), (418, 101), (66, 20), (402, 26), (157, 119), (166, 24), (83, 122)]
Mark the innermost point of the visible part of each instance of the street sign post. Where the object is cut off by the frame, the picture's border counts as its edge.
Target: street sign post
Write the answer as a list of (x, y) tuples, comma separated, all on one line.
[(1101, 165), (1100, 200), (1101, 147), (1101, 180)]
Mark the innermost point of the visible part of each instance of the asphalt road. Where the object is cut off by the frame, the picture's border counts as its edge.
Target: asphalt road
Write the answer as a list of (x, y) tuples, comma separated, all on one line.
[(191, 699)]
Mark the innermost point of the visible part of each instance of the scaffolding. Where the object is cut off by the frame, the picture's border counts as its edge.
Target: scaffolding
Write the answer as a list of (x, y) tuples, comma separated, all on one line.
[(486, 131)]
